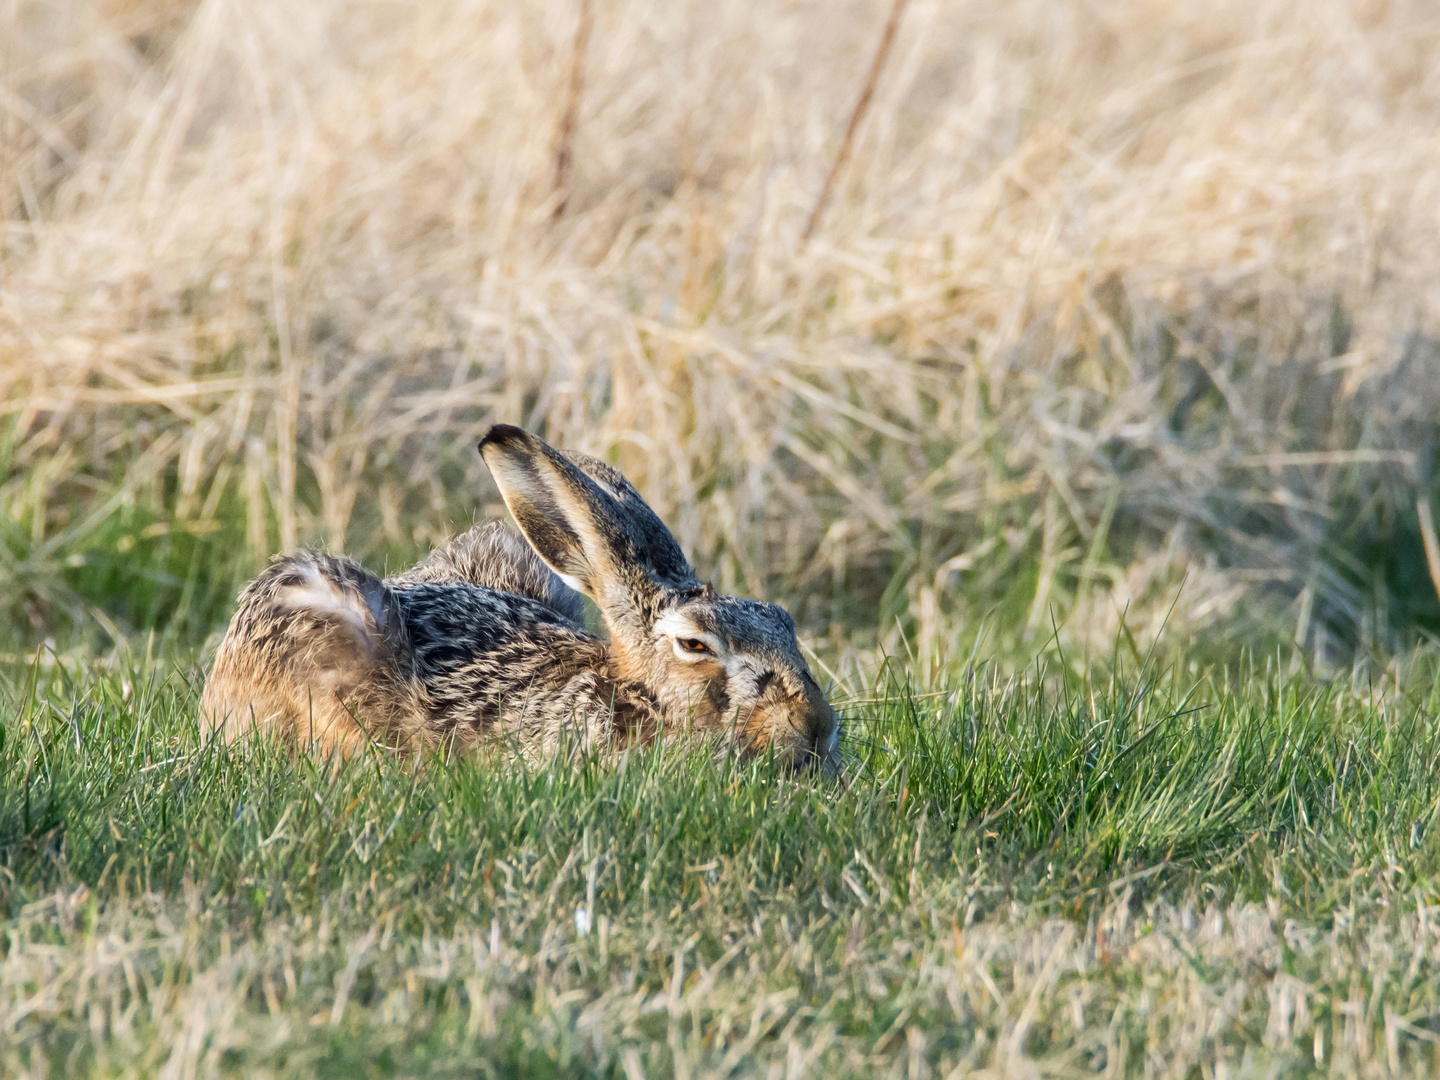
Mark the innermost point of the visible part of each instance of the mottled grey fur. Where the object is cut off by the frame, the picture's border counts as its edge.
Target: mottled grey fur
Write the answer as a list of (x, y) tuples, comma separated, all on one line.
[(483, 641), (492, 556)]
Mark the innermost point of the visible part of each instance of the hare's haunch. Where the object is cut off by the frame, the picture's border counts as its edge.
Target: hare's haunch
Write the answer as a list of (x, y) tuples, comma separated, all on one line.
[(485, 640)]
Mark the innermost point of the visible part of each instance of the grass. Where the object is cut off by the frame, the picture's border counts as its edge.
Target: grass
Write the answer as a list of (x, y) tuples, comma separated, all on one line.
[(1150, 872), (1106, 298)]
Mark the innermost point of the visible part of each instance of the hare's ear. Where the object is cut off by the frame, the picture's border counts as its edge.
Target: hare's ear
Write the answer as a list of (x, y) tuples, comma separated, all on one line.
[(581, 516)]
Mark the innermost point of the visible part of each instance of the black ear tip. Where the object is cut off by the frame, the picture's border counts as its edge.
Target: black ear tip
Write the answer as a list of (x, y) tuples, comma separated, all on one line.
[(504, 435)]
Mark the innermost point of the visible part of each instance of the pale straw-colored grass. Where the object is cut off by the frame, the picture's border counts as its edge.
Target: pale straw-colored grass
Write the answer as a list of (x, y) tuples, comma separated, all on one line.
[(1091, 273), (1159, 989)]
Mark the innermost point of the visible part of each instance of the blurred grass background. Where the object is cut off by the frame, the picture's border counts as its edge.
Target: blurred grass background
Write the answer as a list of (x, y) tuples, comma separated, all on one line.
[(1109, 297)]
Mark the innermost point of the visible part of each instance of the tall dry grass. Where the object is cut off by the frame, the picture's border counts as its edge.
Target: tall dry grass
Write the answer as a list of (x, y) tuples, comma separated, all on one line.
[(1108, 294)]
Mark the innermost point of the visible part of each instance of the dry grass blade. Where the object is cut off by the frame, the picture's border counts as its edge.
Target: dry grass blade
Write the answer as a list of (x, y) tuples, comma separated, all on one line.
[(857, 117), (570, 119), (1432, 545)]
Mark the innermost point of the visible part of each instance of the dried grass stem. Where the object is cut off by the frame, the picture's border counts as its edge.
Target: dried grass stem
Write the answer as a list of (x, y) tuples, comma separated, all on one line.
[(570, 118), (857, 117)]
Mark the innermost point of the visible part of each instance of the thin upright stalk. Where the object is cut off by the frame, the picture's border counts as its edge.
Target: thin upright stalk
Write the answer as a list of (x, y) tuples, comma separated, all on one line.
[(1427, 536), (565, 138), (857, 116)]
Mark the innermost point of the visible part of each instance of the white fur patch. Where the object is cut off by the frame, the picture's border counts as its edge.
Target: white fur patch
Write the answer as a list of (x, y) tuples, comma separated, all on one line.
[(675, 625), (742, 679), (573, 582), (323, 597)]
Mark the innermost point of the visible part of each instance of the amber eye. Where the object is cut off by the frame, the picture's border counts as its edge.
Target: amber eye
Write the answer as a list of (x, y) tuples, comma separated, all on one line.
[(692, 645)]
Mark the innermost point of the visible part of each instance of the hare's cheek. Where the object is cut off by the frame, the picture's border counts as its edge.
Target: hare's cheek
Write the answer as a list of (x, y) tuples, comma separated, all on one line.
[(697, 673), (718, 698), (762, 725)]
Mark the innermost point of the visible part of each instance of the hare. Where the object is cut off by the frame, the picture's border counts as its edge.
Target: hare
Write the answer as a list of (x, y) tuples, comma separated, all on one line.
[(484, 641)]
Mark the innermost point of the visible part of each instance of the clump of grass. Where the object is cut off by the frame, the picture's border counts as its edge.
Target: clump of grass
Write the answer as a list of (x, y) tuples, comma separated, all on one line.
[(1133, 869), (1099, 302)]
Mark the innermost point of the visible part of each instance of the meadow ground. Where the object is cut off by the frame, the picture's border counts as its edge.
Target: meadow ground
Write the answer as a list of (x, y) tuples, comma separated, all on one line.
[(1152, 874)]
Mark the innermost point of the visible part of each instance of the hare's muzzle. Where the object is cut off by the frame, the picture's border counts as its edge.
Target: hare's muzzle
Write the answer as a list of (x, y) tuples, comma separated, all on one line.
[(798, 725)]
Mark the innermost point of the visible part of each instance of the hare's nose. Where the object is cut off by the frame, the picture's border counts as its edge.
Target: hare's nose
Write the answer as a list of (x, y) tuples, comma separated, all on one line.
[(818, 725)]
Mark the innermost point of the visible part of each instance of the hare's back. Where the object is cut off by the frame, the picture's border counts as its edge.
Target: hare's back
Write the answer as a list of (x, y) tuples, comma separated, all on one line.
[(492, 557), (454, 625), (480, 652)]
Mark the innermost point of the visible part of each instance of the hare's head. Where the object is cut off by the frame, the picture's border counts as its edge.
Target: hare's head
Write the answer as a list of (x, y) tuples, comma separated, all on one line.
[(725, 663)]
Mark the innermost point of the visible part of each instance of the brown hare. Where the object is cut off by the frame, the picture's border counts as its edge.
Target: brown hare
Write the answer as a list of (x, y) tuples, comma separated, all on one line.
[(484, 641)]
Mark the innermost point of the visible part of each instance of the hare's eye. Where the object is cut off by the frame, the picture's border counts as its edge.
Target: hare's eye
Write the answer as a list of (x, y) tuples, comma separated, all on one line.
[(692, 645)]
